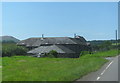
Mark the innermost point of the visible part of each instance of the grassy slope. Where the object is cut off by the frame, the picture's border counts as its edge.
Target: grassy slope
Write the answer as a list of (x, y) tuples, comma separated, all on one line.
[(0, 70), (25, 68)]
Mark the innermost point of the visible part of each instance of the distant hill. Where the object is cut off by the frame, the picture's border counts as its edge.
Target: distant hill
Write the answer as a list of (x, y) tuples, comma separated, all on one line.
[(5, 39)]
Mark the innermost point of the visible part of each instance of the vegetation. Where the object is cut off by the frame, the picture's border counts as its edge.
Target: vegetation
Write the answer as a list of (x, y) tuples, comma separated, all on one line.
[(84, 53), (104, 46), (0, 69), (109, 53), (24, 68), (118, 46), (47, 69), (52, 54), (11, 49), (98, 42)]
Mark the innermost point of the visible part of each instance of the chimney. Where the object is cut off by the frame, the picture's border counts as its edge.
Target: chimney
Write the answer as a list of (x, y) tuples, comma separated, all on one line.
[(74, 35), (42, 37)]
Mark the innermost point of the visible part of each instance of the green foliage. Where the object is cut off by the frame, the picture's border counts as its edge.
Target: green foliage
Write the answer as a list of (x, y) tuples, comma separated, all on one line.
[(52, 54), (104, 46), (12, 49), (0, 69), (84, 53), (119, 46), (119, 49)]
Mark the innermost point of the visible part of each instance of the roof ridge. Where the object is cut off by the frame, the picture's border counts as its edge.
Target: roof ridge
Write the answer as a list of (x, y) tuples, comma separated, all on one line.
[(54, 37)]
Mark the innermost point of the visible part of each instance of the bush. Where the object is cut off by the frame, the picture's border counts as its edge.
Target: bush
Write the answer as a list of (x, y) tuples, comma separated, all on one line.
[(52, 54), (84, 53), (13, 49)]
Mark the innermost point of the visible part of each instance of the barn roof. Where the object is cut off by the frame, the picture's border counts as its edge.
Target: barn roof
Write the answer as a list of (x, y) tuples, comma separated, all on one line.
[(52, 40), (47, 49)]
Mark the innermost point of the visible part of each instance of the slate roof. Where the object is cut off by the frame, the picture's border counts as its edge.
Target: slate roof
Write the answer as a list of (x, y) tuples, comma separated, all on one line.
[(28, 42), (52, 40), (47, 49)]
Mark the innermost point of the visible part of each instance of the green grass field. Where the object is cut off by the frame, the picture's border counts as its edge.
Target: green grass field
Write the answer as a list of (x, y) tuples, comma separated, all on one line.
[(0, 70), (24, 68), (115, 43), (110, 53)]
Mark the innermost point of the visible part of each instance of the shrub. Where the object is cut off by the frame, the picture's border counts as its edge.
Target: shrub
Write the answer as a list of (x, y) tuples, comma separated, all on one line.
[(84, 53), (52, 54), (13, 49)]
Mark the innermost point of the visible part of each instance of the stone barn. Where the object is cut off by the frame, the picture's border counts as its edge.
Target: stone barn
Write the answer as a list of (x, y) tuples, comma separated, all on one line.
[(65, 46)]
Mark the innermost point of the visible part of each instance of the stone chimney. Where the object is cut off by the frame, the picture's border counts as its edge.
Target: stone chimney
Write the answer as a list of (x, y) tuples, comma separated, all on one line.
[(74, 35), (42, 37)]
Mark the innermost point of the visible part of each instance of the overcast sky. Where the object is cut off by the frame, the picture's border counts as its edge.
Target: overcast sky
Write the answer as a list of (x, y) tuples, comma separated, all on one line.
[(92, 20)]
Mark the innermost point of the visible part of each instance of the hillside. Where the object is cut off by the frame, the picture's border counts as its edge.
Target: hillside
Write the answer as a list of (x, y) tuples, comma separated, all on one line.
[(8, 39)]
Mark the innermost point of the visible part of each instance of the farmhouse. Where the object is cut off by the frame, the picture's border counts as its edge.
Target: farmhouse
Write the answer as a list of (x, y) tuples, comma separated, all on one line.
[(65, 46)]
